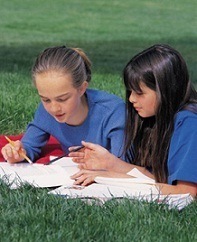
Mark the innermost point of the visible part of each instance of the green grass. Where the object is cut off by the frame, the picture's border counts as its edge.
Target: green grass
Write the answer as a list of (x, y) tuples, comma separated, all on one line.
[(111, 32), (30, 214)]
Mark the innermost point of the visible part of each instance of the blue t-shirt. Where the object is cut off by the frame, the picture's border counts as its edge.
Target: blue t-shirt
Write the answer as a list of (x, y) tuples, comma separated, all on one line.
[(182, 157), (104, 125)]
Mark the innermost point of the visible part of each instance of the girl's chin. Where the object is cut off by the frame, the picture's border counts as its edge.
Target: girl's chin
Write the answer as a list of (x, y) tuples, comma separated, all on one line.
[(60, 119), (145, 115)]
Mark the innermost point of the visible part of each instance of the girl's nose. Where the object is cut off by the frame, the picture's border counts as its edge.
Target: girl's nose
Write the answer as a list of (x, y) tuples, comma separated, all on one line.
[(55, 107), (132, 97)]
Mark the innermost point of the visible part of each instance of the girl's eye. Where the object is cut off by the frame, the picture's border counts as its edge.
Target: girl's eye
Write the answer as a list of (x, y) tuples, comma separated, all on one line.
[(46, 100), (139, 93), (62, 100)]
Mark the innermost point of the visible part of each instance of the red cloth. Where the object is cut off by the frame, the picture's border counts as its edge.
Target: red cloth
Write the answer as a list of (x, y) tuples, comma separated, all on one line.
[(52, 148)]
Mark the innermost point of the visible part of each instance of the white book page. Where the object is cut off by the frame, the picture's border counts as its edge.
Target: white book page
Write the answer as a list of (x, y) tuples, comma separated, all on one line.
[(26, 169), (103, 191), (66, 163), (106, 192), (36, 174), (125, 182), (138, 174), (137, 178)]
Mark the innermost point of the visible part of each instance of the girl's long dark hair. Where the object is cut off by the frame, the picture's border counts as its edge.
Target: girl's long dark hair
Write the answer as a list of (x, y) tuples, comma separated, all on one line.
[(163, 70)]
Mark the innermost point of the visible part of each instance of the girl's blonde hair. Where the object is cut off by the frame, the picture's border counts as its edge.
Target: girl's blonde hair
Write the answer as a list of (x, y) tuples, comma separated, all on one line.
[(63, 59)]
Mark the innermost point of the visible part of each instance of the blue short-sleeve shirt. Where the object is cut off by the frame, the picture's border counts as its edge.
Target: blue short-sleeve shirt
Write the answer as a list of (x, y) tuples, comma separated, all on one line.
[(182, 157), (104, 125)]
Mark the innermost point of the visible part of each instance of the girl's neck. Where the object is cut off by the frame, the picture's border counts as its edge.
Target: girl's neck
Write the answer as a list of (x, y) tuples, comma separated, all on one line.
[(83, 111)]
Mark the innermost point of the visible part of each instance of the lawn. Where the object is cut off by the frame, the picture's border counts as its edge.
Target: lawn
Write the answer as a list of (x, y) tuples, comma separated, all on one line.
[(110, 32)]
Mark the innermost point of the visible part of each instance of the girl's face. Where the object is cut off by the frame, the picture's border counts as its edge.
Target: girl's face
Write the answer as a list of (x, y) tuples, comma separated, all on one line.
[(64, 102), (145, 102)]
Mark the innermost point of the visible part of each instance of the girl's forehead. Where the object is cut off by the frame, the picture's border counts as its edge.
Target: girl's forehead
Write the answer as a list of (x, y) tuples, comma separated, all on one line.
[(53, 77), (136, 85), (142, 85), (53, 80), (53, 73)]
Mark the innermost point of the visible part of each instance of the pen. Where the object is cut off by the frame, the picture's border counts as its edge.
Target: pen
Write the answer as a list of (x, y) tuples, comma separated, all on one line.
[(20, 152), (59, 157), (78, 148)]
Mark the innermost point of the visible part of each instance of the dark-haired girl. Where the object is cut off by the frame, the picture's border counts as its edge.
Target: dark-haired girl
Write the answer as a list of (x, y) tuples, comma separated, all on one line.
[(161, 126)]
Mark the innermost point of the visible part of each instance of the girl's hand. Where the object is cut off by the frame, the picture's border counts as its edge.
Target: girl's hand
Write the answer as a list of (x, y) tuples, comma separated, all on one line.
[(92, 156), (87, 177), (12, 154)]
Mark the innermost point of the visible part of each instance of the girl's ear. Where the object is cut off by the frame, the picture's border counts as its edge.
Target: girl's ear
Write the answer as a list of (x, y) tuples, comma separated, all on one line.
[(83, 88)]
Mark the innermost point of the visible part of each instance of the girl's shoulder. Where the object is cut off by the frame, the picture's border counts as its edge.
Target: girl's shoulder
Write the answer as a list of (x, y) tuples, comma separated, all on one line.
[(192, 107), (100, 94), (103, 98), (189, 110), (187, 116)]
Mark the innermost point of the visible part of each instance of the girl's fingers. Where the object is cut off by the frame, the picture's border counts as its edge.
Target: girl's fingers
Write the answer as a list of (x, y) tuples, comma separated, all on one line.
[(76, 175), (18, 145), (82, 166), (77, 160), (12, 154), (76, 154), (89, 145), (84, 180), (82, 173), (72, 148), (7, 152)]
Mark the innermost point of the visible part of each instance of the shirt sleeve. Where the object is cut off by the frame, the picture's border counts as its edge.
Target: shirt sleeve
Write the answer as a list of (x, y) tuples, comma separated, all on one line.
[(114, 130), (182, 158), (35, 137)]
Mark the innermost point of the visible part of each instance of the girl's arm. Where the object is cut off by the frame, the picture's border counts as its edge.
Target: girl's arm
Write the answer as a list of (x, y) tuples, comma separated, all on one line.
[(97, 161), (181, 187), (95, 157), (87, 177)]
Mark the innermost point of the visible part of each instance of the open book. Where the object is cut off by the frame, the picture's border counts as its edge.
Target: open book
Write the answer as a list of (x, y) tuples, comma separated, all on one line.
[(102, 193), (137, 187), (58, 174), (39, 175)]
